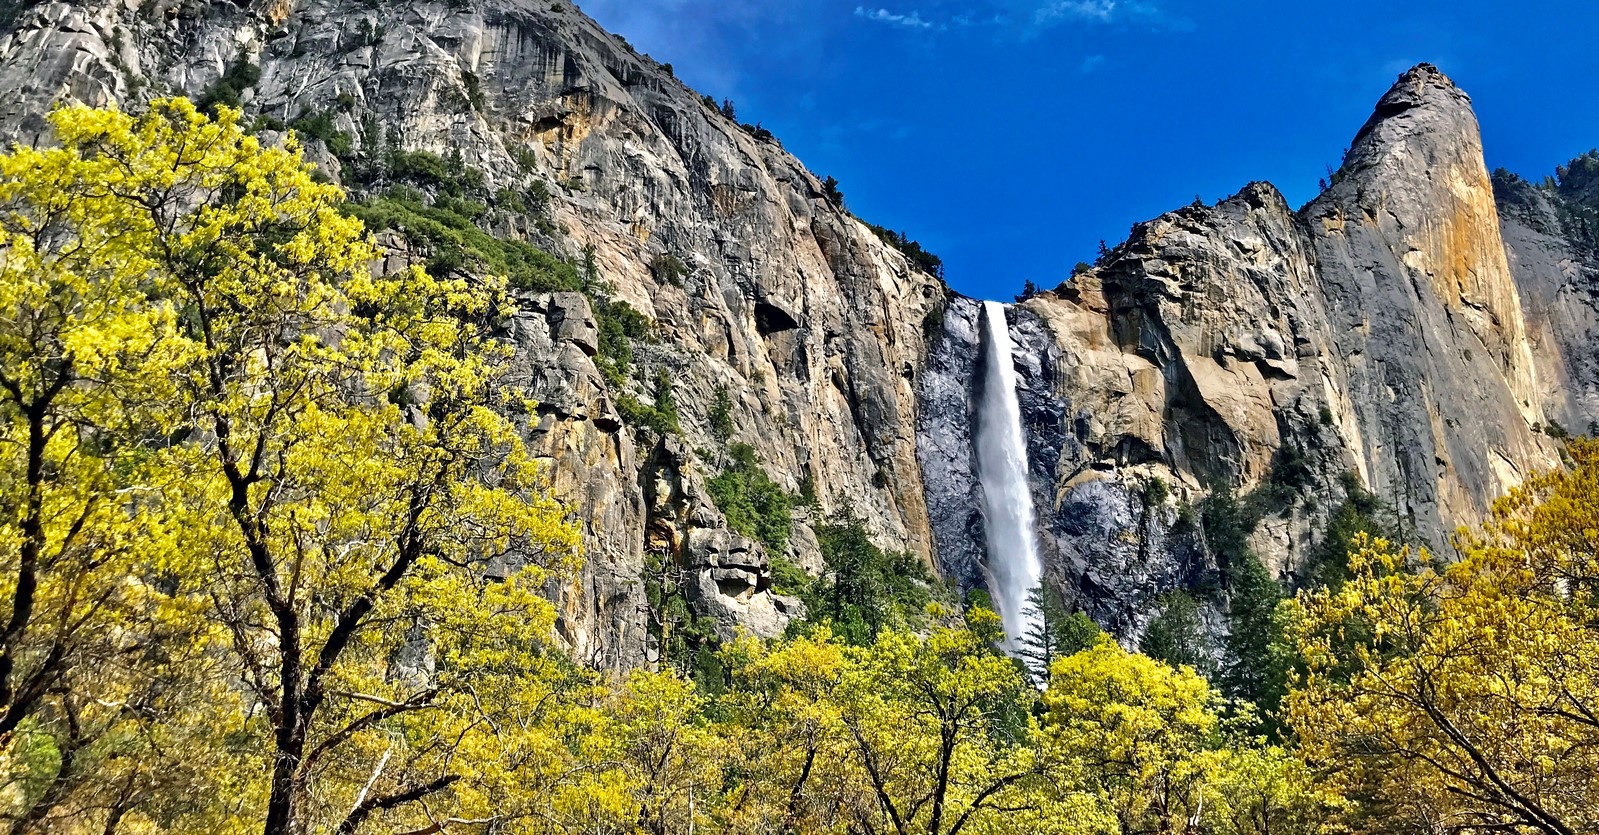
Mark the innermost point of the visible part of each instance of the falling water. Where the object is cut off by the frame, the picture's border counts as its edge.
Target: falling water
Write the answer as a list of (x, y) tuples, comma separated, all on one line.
[(1013, 563)]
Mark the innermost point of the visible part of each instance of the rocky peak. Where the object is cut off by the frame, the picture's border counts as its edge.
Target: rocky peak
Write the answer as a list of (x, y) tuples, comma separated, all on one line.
[(1415, 178), (1422, 141), (1423, 87)]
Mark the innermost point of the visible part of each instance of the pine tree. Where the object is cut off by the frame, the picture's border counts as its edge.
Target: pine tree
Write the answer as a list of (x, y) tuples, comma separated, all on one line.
[(1177, 635), (831, 191), (1056, 632)]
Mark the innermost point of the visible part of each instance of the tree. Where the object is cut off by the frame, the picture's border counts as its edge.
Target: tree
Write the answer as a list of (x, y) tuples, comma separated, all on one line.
[(1177, 634), (1361, 512), (1054, 633), (939, 726), (325, 479), (1259, 789), (831, 191), (669, 754), (76, 361), (800, 766), (1029, 290), (1251, 671), (720, 415), (1148, 742), (1136, 733), (105, 697), (865, 589), (1464, 698), (754, 504)]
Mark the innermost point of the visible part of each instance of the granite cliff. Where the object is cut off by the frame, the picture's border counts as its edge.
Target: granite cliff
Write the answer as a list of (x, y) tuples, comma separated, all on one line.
[(1419, 324), (1406, 333)]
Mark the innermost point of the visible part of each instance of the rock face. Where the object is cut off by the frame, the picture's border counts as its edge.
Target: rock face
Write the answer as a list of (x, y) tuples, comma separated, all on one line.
[(1551, 236), (1416, 325), (947, 396), (1424, 311), (1405, 327), (806, 320)]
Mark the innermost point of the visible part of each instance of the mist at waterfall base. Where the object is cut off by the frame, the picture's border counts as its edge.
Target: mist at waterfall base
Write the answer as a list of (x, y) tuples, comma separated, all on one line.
[(1013, 568)]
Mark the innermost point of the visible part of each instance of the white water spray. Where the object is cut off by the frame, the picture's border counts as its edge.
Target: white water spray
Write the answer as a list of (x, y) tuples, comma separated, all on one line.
[(1013, 567)]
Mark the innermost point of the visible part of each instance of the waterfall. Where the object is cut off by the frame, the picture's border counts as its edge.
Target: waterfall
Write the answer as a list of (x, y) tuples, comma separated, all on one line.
[(1014, 568)]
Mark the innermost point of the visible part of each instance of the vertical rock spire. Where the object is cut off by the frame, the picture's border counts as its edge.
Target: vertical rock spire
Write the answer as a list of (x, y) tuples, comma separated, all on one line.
[(1415, 172), (1424, 308)]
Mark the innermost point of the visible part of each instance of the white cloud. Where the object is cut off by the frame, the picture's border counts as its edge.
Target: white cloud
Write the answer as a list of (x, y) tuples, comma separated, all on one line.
[(1108, 11), (910, 21), (1097, 11)]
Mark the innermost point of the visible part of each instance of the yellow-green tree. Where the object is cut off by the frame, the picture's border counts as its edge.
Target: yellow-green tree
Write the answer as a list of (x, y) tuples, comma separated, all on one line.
[(939, 726), (1152, 747), (312, 450), (800, 766), (1466, 698), (914, 733), (104, 674), (1136, 733)]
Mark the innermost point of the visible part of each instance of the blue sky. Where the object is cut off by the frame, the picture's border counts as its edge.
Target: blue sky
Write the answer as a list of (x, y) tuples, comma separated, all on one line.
[(1011, 136)]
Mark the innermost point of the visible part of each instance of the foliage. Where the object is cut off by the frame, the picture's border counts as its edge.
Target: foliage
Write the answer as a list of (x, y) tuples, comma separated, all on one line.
[(832, 192), (1177, 634), (908, 734), (421, 168), (789, 579), (1361, 513), (321, 483), (1577, 185), (926, 261), (1252, 672), (456, 243), (754, 505), (228, 91), (1463, 697), (1155, 491), (865, 589), (320, 125), (1227, 525), (1148, 742), (619, 324), (659, 416), (759, 132), (1253, 666), (806, 497), (941, 726), (687, 643), (1137, 730), (670, 269), (721, 413), (936, 733)]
